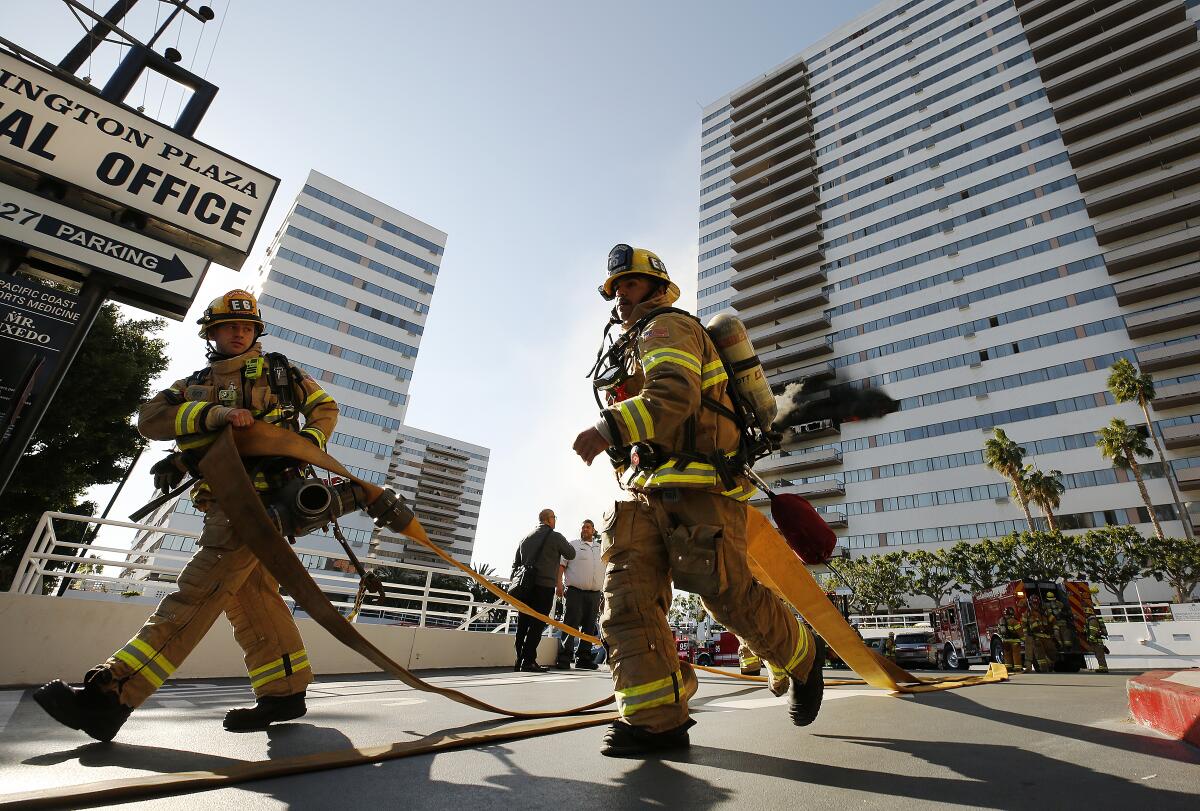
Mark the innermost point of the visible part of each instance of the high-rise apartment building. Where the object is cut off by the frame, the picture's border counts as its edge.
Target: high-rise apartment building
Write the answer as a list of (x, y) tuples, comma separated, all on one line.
[(979, 206), (345, 292)]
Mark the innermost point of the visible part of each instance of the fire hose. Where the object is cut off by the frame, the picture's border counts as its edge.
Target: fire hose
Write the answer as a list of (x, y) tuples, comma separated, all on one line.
[(233, 489)]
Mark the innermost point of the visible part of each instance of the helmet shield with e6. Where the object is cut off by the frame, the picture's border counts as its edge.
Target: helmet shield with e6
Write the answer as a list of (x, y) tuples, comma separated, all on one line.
[(236, 305), (624, 260)]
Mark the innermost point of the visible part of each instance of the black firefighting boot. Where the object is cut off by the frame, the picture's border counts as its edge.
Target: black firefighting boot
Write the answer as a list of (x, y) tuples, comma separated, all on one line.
[(805, 700), (626, 740), (266, 711), (90, 708)]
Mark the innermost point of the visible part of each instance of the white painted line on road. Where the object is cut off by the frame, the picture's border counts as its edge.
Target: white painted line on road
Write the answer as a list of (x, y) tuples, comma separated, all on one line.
[(175, 704), (405, 702), (8, 705)]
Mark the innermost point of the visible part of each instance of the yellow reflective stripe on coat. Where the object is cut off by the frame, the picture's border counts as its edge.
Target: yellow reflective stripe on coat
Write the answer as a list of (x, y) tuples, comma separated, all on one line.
[(315, 399), (652, 694), (153, 667), (637, 419), (281, 668), (185, 417), (712, 374), (317, 434), (700, 474), (187, 443), (668, 355)]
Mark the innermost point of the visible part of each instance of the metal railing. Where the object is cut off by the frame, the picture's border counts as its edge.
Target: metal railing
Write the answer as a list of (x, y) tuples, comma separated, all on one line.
[(144, 571), (900, 619), (1136, 612)]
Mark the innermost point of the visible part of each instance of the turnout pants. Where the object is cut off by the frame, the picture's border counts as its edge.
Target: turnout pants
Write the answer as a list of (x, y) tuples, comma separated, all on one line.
[(652, 686), (1012, 653), (583, 609), (223, 576)]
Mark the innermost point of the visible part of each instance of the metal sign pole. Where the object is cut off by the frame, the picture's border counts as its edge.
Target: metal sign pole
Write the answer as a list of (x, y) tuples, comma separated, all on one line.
[(91, 296)]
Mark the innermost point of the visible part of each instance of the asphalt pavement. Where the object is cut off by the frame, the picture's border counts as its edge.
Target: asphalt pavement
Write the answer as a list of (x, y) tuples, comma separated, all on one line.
[(1038, 742)]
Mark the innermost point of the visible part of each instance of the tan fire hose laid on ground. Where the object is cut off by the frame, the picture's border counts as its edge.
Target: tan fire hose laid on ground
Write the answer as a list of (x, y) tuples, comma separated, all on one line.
[(232, 488)]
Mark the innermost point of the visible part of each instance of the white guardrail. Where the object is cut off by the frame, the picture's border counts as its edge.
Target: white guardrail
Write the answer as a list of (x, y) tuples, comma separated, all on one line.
[(149, 576)]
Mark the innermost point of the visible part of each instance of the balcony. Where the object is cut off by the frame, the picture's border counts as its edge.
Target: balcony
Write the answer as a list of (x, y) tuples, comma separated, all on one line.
[(795, 99), (1188, 479), (1148, 218), (1090, 36), (1151, 173), (835, 520), (1171, 356), (780, 308), (1161, 319), (808, 431), (1070, 73), (1152, 142), (797, 352), (437, 497), (766, 246), (773, 228), (766, 90), (802, 199), (801, 163), (1180, 242), (793, 328), (1177, 395), (746, 136), (1056, 16), (788, 461), (792, 193), (1090, 120), (799, 132), (1153, 285), (818, 371), (825, 488), (777, 264), (1176, 437), (783, 155), (422, 507)]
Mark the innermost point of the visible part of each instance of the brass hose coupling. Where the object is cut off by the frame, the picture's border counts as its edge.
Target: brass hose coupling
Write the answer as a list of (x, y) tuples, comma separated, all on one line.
[(390, 511)]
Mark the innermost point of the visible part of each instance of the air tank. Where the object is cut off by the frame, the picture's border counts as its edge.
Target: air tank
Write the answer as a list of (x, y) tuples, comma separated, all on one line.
[(749, 380)]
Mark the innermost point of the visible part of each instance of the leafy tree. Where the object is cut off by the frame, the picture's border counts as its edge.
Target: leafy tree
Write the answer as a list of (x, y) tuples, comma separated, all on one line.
[(1176, 560), (888, 581), (1129, 384), (86, 437), (1007, 458), (1044, 490), (976, 566), (1112, 556), (1122, 444), (931, 574), (854, 574), (1034, 556), (686, 609), (482, 595)]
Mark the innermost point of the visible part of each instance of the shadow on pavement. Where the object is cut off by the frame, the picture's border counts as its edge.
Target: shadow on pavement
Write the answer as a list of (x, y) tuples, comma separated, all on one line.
[(1124, 741)]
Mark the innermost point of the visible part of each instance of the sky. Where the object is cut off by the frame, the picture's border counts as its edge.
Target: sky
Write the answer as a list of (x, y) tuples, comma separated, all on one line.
[(536, 134)]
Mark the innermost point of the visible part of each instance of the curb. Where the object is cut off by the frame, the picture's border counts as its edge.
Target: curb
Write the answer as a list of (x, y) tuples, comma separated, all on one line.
[(1170, 707)]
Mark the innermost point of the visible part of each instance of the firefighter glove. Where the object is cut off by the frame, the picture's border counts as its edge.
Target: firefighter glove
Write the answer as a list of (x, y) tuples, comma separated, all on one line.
[(168, 472)]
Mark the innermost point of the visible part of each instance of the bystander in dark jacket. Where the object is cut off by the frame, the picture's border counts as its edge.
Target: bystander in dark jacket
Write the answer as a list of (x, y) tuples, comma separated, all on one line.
[(542, 549)]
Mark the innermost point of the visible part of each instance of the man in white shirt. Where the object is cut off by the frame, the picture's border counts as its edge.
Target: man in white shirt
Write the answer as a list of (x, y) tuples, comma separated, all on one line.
[(582, 580)]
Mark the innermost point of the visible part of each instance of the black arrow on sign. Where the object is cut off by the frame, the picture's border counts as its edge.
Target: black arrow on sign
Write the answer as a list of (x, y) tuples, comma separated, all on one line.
[(171, 270)]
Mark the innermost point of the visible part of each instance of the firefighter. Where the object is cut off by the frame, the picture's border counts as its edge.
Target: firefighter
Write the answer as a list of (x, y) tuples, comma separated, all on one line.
[(1010, 639), (239, 385), (748, 661), (1055, 621), (1096, 634), (889, 646), (1037, 638), (667, 424)]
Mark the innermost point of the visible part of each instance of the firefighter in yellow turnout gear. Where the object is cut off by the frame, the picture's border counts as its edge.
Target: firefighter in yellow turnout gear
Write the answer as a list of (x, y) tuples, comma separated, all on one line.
[(223, 576), (1010, 639), (687, 519)]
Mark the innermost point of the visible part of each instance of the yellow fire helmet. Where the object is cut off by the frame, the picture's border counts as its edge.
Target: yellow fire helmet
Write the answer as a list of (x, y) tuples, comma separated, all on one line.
[(236, 305), (626, 261)]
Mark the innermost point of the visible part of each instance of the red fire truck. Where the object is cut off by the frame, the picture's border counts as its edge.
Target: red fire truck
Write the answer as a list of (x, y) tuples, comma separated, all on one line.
[(968, 631), (720, 651)]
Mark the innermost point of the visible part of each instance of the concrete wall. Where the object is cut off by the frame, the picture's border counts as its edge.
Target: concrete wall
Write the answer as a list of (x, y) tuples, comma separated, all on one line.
[(44, 638)]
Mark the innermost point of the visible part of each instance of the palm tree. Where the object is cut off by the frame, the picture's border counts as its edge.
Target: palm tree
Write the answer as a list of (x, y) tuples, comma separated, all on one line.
[(1130, 385), (1123, 444), (1045, 490), (1007, 458)]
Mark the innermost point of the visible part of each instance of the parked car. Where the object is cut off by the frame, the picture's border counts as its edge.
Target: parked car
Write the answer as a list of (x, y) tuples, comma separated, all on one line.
[(916, 649)]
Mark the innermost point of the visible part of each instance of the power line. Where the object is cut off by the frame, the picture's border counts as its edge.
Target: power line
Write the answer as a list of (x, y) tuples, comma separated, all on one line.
[(220, 28)]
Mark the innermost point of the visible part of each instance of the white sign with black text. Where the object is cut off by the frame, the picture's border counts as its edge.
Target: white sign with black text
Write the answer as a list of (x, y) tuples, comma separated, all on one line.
[(160, 270), (68, 133)]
